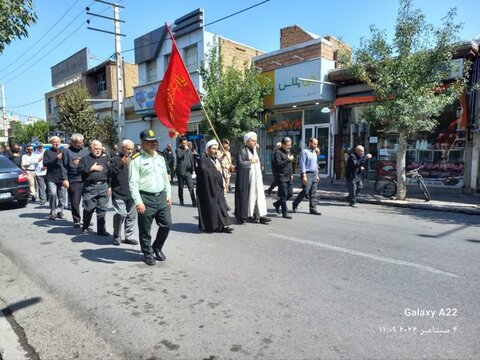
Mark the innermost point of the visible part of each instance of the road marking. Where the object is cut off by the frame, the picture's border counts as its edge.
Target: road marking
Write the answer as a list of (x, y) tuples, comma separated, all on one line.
[(366, 255)]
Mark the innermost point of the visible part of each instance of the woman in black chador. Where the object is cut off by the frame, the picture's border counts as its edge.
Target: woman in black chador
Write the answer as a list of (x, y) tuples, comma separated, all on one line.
[(212, 207)]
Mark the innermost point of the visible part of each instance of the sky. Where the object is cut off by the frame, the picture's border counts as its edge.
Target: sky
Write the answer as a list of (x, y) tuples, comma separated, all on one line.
[(61, 31)]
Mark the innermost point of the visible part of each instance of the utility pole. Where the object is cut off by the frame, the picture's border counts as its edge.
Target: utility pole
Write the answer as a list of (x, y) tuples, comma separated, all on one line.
[(4, 116), (118, 62)]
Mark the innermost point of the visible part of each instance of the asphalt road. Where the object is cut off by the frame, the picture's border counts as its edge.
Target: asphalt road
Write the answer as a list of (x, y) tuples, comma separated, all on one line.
[(367, 282)]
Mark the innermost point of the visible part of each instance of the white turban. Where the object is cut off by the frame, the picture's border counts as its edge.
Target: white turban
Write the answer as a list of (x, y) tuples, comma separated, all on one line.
[(212, 142), (249, 135)]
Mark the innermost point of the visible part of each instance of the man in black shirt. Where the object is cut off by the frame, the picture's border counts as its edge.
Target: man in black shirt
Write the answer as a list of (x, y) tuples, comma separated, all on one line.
[(185, 169), (73, 182), (125, 211), (94, 169), (170, 160), (284, 176), (356, 164), (53, 161)]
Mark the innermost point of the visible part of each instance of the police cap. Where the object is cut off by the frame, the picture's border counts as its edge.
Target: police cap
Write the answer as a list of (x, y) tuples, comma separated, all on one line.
[(148, 135)]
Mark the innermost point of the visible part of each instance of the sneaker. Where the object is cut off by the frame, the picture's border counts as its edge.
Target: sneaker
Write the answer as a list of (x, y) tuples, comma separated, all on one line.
[(149, 260)]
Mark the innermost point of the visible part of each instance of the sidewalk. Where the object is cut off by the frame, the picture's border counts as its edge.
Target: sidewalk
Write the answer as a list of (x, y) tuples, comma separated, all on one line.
[(442, 199)]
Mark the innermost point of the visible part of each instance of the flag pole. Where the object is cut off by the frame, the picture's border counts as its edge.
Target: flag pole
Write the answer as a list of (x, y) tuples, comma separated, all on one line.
[(210, 122)]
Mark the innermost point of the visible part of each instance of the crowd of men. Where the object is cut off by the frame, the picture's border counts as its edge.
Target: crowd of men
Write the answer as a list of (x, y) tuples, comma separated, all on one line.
[(138, 181)]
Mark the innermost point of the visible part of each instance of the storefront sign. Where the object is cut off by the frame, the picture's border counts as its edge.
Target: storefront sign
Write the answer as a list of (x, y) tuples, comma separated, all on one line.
[(144, 96), (289, 89)]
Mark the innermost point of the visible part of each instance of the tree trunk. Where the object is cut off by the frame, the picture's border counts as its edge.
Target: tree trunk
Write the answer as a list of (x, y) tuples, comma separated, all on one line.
[(401, 156)]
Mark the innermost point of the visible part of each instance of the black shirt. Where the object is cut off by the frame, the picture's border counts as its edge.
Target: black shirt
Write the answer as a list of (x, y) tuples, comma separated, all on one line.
[(284, 168), (119, 178), (86, 164), (55, 170)]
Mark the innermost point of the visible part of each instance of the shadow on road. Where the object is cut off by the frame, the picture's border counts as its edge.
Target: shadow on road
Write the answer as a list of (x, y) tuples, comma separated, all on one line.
[(112, 255), (185, 228), (20, 305), (473, 241), (36, 215), (92, 238)]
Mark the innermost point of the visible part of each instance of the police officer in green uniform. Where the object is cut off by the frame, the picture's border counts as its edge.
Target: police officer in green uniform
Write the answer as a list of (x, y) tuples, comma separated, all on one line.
[(150, 188)]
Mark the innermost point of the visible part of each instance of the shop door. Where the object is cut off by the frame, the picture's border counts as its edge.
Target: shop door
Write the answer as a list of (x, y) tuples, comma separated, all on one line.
[(322, 133)]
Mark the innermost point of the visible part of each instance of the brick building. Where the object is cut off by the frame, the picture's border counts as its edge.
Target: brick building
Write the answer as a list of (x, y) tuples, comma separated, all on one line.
[(299, 105)]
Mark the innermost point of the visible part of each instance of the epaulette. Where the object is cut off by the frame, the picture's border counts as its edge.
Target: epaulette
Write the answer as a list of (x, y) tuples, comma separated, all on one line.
[(134, 156), (161, 153)]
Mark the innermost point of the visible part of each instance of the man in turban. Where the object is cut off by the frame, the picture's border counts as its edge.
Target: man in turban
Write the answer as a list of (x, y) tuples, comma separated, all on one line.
[(212, 206), (250, 204)]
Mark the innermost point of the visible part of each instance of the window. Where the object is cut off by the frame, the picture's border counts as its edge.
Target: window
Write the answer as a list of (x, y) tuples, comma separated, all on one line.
[(151, 71), (101, 83), (190, 55), (166, 58), (51, 105)]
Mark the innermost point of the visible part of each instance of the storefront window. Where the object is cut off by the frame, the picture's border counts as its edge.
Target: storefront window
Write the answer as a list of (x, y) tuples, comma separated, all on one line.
[(315, 116), (440, 151), (279, 125)]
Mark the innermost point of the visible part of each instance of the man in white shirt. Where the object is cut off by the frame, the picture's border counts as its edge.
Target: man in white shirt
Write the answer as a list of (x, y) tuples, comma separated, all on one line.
[(28, 164), (40, 172)]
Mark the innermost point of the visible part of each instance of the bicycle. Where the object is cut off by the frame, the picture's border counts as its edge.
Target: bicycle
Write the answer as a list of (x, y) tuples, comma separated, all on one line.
[(387, 185)]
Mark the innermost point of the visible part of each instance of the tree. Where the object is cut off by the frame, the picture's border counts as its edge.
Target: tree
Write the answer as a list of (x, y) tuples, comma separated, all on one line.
[(77, 115), (15, 17), (232, 97), (408, 76), (24, 133), (107, 131)]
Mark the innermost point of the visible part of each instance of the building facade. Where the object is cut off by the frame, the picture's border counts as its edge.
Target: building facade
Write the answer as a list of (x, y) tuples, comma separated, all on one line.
[(450, 154), (299, 105), (101, 82), (152, 53)]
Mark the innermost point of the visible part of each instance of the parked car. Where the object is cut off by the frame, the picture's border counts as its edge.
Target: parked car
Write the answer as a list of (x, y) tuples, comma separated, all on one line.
[(13, 182)]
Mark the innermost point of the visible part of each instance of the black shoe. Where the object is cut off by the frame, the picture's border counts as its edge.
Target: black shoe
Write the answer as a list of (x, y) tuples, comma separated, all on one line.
[(226, 229), (315, 212), (130, 242), (252, 219), (294, 208), (277, 207), (194, 204), (33, 199), (52, 217), (116, 242), (149, 260), (103, 233), (42, 203), (76, 225), (346, 198), (265, 220), (287, 216), (60, 215), (268, 194), (352, 204), (84, 231), (229, 208), (159, 255), (240, 221)]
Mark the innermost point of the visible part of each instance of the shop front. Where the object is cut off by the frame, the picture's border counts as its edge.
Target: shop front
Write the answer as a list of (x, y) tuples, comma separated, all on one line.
[(299, 107), (440, 153)]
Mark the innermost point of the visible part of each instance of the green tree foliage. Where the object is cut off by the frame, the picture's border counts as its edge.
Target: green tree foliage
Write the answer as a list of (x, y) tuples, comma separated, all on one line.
[(232, 96), (15, 17), (408, 75), (107, 131), (24, 133), (77, 115)]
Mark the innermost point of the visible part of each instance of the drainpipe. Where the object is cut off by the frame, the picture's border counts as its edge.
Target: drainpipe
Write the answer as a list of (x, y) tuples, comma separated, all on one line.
[(475, 168)]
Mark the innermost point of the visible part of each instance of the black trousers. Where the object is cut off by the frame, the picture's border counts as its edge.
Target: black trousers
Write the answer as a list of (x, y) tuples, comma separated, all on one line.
[(354, 187), (95, 199), (75, 195), (273, 185), (156, 208), (285, 192), (185, 180), (309, 189)]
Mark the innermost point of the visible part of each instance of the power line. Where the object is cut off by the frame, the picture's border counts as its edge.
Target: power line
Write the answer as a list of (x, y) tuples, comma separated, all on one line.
[(24, 105), (213, 22), (41, 37), (36, 61)]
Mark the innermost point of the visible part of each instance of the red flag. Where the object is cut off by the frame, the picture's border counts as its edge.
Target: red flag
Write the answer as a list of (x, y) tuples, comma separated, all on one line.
[(176, 94)]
